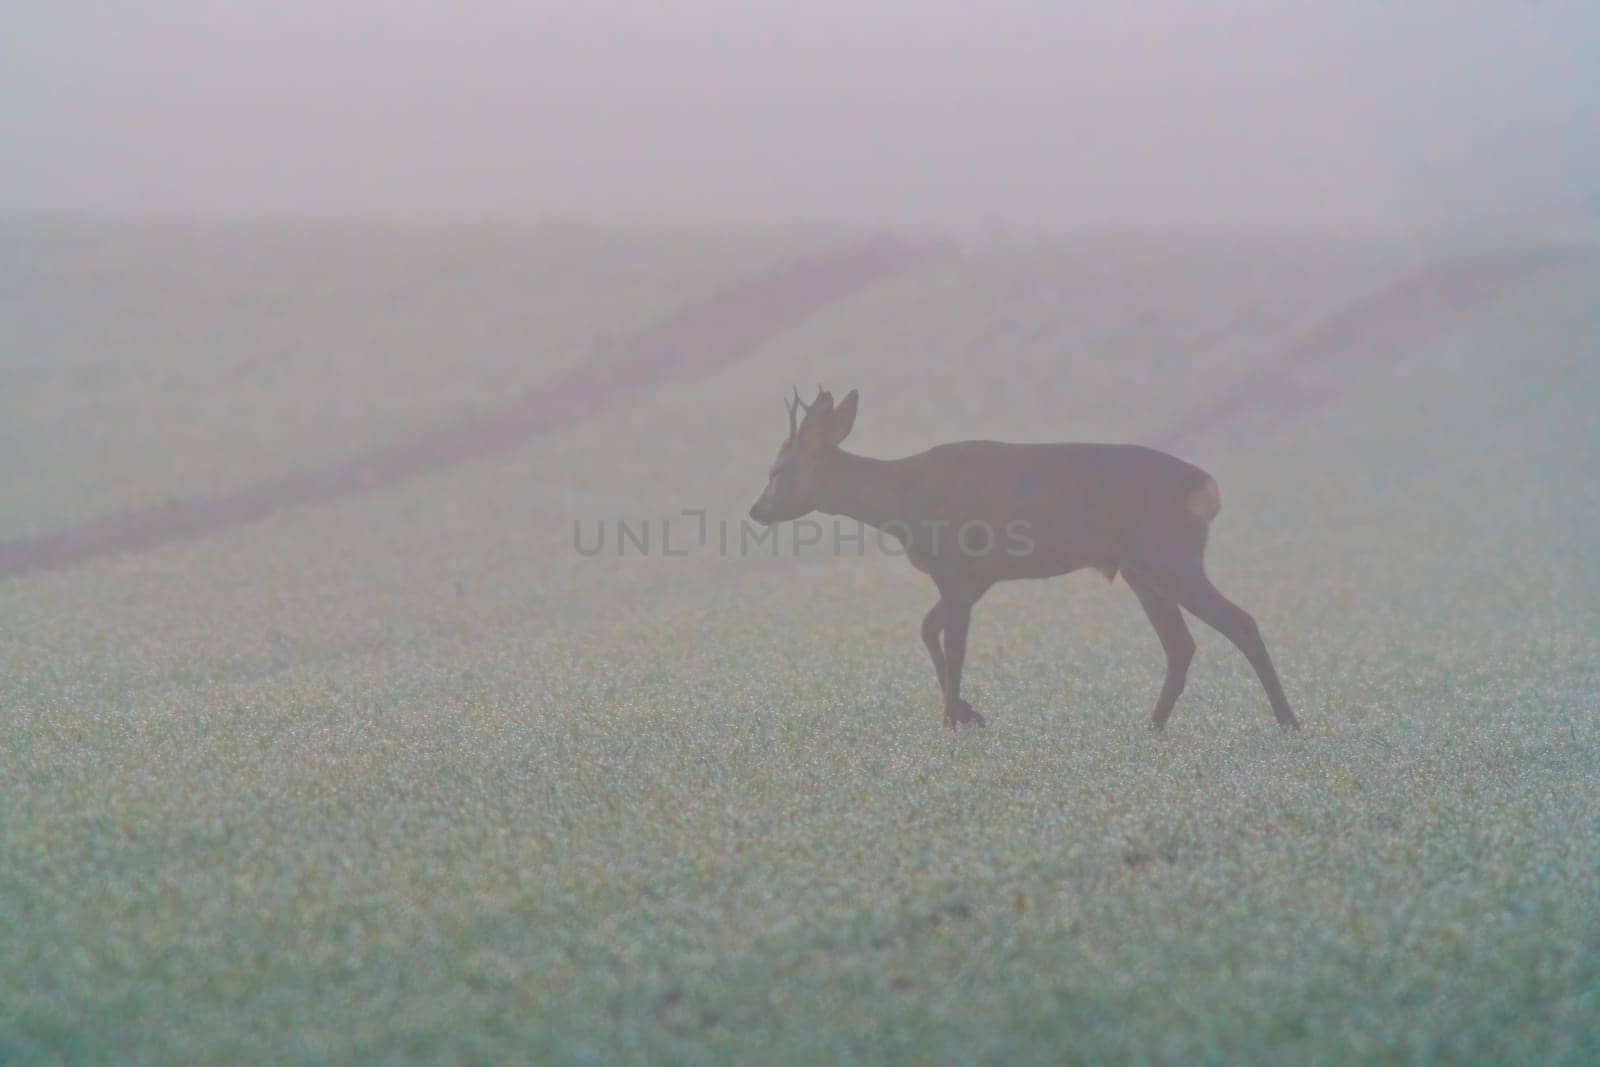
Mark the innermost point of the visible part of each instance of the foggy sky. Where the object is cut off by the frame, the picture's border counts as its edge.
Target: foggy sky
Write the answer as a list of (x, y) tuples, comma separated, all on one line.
[(1228, 113)]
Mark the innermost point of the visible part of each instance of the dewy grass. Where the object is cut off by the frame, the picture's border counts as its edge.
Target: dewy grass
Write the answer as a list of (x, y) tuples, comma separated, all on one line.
[(404, 778)]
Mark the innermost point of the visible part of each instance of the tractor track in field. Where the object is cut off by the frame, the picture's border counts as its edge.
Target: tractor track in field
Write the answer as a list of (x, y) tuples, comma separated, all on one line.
[(1369, 330), (694, 341), (737, 320)]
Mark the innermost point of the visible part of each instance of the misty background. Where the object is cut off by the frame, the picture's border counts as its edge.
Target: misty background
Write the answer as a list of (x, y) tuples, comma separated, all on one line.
[(1157, 114)]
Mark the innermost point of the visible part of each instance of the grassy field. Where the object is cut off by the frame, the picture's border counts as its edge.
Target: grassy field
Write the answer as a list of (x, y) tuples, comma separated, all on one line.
[(404, 777)]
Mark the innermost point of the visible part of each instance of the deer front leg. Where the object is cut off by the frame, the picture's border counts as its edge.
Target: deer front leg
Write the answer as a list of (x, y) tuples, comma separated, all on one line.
[(956, 617), (932, 628)]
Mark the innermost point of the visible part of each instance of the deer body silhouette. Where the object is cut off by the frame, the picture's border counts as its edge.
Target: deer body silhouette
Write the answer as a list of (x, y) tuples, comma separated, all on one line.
[(973, 513)]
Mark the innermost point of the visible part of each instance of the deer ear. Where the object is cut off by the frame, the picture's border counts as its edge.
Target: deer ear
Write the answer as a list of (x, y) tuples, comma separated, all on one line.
[(843, 418)]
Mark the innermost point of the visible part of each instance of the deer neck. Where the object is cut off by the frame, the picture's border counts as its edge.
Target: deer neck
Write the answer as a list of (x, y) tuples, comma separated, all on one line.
[(873, 491)]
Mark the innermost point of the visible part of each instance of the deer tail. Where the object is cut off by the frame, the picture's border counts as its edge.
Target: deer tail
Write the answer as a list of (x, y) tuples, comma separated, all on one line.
[(1205, 500)]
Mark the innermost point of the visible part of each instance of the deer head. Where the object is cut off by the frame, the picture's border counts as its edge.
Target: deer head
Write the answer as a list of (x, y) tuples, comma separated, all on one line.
[(791, 485)]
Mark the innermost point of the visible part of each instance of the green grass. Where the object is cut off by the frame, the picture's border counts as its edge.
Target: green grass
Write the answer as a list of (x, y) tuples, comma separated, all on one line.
[(404, 779)]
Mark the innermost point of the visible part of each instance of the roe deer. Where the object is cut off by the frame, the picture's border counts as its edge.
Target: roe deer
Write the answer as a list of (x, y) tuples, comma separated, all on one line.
[(974, 513)]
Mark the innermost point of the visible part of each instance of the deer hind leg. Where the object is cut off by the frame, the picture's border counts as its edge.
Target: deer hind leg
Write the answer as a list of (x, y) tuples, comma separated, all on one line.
[(1176, 642), (1195, 592)]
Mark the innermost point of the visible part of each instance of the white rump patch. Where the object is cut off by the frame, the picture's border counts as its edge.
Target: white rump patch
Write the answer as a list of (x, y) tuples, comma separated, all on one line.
[(1206, 500)]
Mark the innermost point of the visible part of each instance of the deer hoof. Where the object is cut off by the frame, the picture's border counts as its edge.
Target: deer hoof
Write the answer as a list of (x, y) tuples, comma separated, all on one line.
[(962, 713), (1288, 721)]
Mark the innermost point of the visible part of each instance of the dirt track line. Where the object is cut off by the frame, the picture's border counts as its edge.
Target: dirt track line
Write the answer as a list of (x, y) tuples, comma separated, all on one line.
[(1395, 314), (692, 342)]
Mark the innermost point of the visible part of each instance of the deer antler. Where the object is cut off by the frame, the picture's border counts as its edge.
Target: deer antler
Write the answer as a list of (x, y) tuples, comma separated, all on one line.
[(795, 406)]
